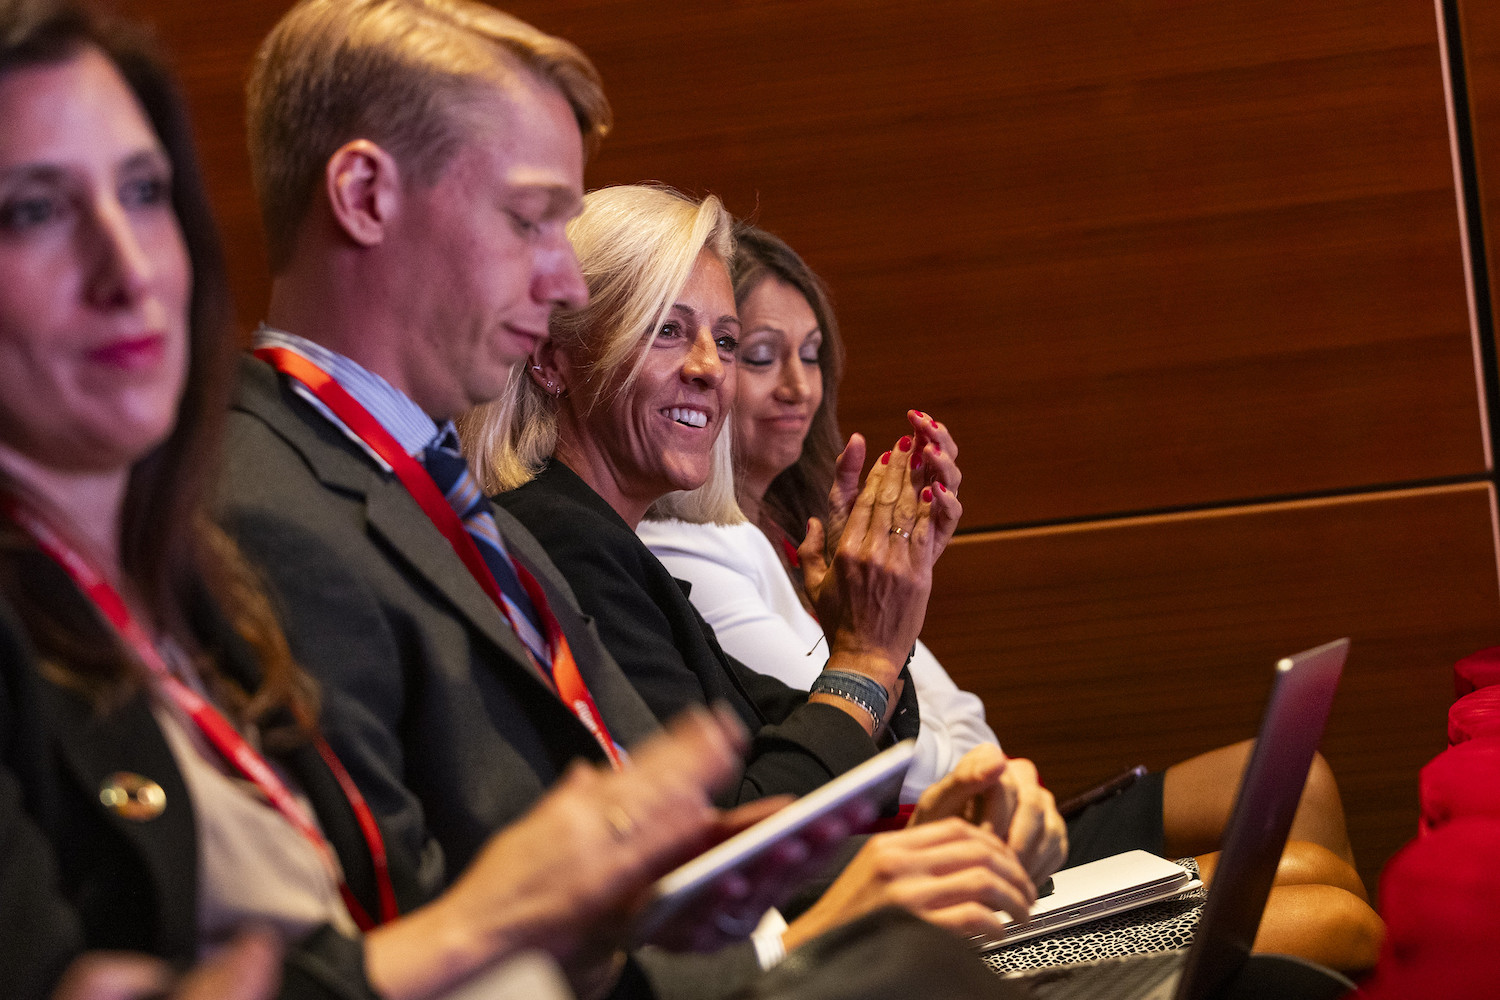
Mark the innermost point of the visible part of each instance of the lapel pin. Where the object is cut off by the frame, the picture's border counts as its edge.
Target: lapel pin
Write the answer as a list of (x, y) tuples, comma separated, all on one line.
[(132, 796)]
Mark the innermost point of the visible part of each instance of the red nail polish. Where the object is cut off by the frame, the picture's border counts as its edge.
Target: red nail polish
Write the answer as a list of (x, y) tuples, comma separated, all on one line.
[(885, 459), (927, 494), (934, 422), (942, 487), (905, 443), (921, 414)]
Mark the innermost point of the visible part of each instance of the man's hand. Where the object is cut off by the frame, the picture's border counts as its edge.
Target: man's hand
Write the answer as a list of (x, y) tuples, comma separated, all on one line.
[(566, 877)]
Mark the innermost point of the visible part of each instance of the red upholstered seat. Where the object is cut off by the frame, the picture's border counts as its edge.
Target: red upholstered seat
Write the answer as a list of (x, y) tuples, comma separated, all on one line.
[(1440, 897), (1462, 781), (1476, 670), (1475, 714)]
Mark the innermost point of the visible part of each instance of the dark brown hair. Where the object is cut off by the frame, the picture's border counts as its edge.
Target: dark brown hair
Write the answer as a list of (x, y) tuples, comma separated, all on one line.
[(169, 549), (801, 490)]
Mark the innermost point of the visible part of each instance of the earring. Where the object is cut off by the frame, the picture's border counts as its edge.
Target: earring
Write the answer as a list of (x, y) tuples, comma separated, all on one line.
[(551, 386)]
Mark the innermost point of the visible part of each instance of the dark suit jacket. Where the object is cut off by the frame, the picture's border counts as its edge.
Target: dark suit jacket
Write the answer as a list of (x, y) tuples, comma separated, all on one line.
[(75, 876), (429, 698), (666, 648), (434, 706)]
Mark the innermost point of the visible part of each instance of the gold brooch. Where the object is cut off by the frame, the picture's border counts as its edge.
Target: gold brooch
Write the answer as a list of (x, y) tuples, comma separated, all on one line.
[(132, 796)]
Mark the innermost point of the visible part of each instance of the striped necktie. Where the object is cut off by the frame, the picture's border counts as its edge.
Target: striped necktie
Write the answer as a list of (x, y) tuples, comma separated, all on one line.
[(450, 471)]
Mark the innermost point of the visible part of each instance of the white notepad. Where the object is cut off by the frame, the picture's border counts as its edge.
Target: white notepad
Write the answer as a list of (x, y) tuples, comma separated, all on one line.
[(1099, 889)]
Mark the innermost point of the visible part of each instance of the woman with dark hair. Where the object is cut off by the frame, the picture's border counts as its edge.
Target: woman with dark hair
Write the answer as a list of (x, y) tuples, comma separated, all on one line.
[(786, 447), (746, 583), (162, 782)]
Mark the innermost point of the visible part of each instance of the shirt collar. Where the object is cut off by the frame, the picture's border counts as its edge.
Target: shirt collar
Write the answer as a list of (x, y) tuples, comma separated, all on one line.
[(403, 419)]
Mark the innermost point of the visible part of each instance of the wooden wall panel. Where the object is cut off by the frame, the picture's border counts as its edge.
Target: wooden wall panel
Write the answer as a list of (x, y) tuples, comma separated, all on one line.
[(1147, 640), (210, 45), (1142, 256)]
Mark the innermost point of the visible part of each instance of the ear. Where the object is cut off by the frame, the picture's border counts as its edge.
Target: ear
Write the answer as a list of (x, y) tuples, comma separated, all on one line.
[(364, 190), (548, 367)]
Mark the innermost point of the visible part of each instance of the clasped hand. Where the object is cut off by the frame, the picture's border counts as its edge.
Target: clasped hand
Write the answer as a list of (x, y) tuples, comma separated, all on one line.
[(869, 570), (1002, 794)]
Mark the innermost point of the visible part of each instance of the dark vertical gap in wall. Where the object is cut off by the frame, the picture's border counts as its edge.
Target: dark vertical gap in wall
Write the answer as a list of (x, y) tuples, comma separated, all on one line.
[(1478, 257)]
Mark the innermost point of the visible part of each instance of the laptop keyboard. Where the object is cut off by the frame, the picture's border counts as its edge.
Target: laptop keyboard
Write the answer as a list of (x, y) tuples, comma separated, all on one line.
[(1146, 977)]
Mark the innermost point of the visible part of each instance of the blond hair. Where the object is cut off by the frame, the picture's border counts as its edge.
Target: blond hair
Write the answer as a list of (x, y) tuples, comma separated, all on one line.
[(637, 246), (395, 72)]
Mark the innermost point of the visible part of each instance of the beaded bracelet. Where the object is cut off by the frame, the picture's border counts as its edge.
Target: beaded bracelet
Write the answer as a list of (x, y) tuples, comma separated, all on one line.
[(864, 691)]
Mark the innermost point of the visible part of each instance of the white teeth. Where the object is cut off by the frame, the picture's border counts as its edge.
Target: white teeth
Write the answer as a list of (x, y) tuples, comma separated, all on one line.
[(692, 418)]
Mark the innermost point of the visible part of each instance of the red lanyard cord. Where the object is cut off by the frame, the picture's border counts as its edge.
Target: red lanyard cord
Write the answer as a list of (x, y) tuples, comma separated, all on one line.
[(219, 732)]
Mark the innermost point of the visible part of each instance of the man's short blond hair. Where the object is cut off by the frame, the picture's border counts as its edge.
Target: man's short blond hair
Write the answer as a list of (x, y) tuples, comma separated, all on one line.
[(395, 72)]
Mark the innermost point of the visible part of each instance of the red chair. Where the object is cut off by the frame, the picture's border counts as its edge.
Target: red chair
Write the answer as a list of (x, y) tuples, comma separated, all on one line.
[(1476, 670), (1475, 714), (1440, 897), (1462, 782)]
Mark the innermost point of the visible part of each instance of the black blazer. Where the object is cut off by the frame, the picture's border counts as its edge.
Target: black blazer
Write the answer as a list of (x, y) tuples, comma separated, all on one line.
[(74, 875), (669, 652)]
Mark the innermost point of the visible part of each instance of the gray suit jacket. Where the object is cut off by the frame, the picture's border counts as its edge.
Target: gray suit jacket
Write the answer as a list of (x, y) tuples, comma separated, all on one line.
[(431, 700)]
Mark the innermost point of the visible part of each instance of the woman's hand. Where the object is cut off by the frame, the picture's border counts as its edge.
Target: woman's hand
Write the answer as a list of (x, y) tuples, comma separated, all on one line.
[(871, 596), (949, 872), (936, 466), (1004, 795)]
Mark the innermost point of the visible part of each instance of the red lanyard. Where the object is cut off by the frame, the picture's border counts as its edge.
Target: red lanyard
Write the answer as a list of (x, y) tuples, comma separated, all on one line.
[(217, 729), (564, 670)]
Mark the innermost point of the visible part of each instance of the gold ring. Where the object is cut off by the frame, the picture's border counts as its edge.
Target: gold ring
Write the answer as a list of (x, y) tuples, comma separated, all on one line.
[(904, 534)]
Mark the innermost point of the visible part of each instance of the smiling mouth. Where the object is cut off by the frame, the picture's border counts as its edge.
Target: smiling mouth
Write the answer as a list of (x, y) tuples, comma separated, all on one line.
[(532, 336), (687, 417)]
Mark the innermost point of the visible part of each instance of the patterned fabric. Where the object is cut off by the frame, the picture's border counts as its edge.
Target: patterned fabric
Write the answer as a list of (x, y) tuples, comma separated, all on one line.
[(450, 471), (1162, 926)]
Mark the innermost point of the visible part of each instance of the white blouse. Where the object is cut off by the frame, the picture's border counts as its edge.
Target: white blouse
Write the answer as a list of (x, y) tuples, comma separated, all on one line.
[(742, 590)]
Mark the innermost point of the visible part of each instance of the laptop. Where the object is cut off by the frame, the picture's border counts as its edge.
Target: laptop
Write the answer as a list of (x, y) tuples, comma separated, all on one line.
[(1252, 845)]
